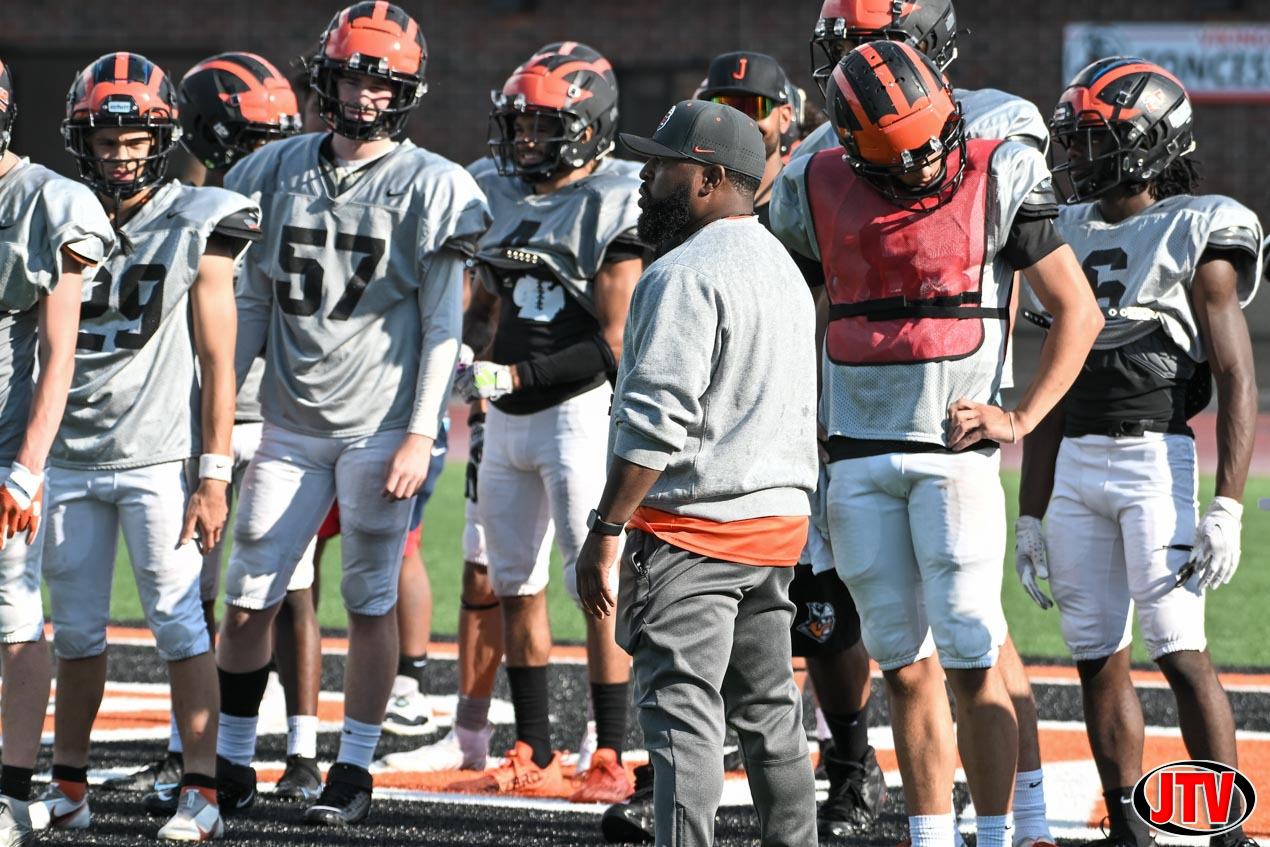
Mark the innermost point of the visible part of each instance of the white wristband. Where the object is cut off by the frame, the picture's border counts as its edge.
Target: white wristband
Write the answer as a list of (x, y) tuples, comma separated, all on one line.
[(216, 466), (25, 483)]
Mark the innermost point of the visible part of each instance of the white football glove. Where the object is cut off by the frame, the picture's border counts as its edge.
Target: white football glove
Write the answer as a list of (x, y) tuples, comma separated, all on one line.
[(1030, 559), (1215, 554), (483, 381)]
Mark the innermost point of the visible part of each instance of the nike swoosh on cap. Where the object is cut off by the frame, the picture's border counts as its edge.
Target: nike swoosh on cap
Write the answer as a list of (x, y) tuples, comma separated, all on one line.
[(697, 149)]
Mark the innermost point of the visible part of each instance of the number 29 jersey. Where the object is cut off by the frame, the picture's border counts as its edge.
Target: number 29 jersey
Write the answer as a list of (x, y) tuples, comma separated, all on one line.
[(134, 399), (342, 279)]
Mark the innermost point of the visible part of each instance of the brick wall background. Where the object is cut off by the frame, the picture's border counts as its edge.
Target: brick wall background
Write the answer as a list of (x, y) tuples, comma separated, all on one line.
[(660, 49)]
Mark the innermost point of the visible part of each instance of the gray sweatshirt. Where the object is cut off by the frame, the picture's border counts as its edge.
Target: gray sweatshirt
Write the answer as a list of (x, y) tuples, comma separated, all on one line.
[(717, 383)]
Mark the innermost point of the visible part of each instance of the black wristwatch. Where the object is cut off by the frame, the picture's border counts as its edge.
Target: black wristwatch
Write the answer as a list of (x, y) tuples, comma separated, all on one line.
[(599, 526)]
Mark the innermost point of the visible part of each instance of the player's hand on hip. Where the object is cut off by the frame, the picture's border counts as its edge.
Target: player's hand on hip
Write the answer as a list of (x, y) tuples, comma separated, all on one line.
[(1030, 558), (596, 563), (970, 422), (408, 467), (205, 514), (1215, 553), (484, 381), (21, 502)]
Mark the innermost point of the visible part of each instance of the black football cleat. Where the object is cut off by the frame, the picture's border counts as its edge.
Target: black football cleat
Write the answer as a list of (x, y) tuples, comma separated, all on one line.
[(857, 791), (300, 781), (235, 787), (345, 798), (160, 775), (632, 821)]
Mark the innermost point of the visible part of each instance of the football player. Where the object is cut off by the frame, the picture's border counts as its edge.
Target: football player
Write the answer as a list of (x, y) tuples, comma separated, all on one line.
[(229, 105), (910, 400), (55, 231), (559, 264), (354, 297), (931, 27), (1113, 469), (153, 387)]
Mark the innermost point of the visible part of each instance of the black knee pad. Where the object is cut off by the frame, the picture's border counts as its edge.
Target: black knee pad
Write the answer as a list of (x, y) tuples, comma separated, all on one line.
[(825, 617)]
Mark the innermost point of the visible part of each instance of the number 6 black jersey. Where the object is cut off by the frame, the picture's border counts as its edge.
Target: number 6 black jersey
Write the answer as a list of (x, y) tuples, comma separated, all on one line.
[(342, 282), (1141, 268), (134, 399)]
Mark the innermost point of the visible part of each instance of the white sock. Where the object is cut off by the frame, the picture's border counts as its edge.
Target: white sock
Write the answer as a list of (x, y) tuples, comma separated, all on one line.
[(993, 830), (1029, 807), (302, 736), (822, 726), (357, 743), (174, 736), (236, 738), (931, 830)]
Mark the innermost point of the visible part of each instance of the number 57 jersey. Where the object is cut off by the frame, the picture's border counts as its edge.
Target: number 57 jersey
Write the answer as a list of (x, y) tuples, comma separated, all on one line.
[(351, 289), (134, 399)]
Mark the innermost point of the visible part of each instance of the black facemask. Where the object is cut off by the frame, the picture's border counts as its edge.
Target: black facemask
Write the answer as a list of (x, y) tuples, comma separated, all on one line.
[(664, 221)]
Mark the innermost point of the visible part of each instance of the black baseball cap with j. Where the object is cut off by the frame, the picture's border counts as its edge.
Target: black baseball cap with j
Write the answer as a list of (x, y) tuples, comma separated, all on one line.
[(710, 133)]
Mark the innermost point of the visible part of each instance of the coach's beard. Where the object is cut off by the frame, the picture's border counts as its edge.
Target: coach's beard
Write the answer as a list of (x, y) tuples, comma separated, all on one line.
[(662, 222)]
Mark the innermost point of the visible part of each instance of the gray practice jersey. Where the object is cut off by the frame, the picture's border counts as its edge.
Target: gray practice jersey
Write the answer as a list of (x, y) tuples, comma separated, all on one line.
[(41, 214), (134, 400), (567, 231), (247, 404), (1141, 268), (860, 401), (988, 113), (350, 291)]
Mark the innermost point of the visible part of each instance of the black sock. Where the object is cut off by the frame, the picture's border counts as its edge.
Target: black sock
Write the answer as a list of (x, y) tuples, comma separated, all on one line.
[(15, 782), (529, 699), (850, 733), (241, 693), (415, 667), (66, 773), (198, 780), (1122, 818), (610, 700)]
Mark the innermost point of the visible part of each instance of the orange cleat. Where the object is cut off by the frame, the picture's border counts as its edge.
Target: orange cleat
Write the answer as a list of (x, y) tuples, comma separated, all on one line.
[(606, 781), (518, 775)]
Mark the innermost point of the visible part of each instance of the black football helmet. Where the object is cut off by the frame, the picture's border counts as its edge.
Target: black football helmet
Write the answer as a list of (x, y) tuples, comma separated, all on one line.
[(565, 81), (1121, 121), (233, 103), (376, 39), (121, 90), (928, 25)]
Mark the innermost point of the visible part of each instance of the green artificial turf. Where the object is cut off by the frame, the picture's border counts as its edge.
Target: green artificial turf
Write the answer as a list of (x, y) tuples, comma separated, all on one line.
[(1238, 626)]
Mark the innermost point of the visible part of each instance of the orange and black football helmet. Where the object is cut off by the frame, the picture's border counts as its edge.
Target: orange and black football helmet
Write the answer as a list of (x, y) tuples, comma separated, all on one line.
[(894, 113), (121, 90), (1121, 121), (377, 39), (233, 103), (928, 25), (8, 107), (565, 81)]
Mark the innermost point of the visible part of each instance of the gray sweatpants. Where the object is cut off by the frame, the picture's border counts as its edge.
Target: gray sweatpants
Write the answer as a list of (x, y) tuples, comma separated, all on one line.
[(710, 640)]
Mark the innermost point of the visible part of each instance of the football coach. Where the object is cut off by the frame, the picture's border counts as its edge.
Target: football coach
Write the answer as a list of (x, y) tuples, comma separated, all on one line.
[(713, 454)]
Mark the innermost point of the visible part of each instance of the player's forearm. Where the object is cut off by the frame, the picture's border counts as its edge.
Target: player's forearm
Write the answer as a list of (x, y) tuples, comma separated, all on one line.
[(57, 367), (1040, 454), (217, 399), (440, 302), (1236, 428), (1076, 325)]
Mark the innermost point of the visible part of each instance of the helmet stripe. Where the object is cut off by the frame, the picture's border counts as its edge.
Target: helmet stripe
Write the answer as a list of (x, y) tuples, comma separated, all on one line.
[(381, 11), (121, 66), (567, 48), (882, 70), (234, 68)]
